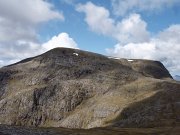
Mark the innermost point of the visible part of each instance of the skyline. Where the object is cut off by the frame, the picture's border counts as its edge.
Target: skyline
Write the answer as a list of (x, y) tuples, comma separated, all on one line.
[(127, 29)]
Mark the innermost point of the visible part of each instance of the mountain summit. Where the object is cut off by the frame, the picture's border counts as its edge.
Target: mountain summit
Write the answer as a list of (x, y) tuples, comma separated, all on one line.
[(78, 89)]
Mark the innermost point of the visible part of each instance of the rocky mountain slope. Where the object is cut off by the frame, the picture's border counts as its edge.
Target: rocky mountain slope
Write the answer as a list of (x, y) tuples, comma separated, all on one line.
[(77, 89)]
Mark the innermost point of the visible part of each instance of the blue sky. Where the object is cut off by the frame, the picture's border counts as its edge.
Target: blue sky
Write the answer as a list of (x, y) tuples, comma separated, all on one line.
[(145, 29), (77, 28)]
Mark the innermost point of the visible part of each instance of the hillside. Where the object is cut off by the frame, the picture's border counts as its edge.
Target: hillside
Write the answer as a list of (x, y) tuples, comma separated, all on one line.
[(76, 89)]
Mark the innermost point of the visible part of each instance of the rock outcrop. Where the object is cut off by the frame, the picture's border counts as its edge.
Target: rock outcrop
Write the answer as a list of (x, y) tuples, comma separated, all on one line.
[(77, 89)]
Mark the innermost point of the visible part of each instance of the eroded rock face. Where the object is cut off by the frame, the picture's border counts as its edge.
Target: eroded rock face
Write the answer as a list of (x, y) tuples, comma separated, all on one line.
[(61, 88)]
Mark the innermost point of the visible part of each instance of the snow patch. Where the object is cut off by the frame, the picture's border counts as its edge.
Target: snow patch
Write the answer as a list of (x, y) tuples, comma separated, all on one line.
[(76, 54), (130, 60), (117, 58), (114, 58)]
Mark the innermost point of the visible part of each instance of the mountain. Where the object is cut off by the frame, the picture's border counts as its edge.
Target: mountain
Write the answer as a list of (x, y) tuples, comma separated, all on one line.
[(77, 89), (177, 77)]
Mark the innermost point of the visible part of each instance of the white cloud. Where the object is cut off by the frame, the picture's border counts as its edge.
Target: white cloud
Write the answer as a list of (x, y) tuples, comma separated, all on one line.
[(134, 40), (11, 31), (122, 7), (97, 18), (11, 53), (1, 63), (165, 47), (171, 34), (19, 20), (62, 40), (130, 29), (28, 11), (133, 50)]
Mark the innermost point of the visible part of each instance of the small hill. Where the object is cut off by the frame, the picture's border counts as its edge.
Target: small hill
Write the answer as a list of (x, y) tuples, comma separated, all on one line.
[(77, 89)]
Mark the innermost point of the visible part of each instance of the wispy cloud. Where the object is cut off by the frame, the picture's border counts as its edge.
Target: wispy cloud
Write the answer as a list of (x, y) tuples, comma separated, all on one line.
[(70, 2), (123, 7), (129, 29)]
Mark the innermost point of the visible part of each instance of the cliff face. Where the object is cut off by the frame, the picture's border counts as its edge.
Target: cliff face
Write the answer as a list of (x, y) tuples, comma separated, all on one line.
[(78, 89)]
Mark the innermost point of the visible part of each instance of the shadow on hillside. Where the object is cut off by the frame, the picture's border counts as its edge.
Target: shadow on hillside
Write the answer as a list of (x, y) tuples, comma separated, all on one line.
[(160, 110)]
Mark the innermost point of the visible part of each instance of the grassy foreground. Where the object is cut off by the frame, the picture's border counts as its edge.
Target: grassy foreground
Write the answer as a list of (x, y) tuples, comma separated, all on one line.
[(16, 130)]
